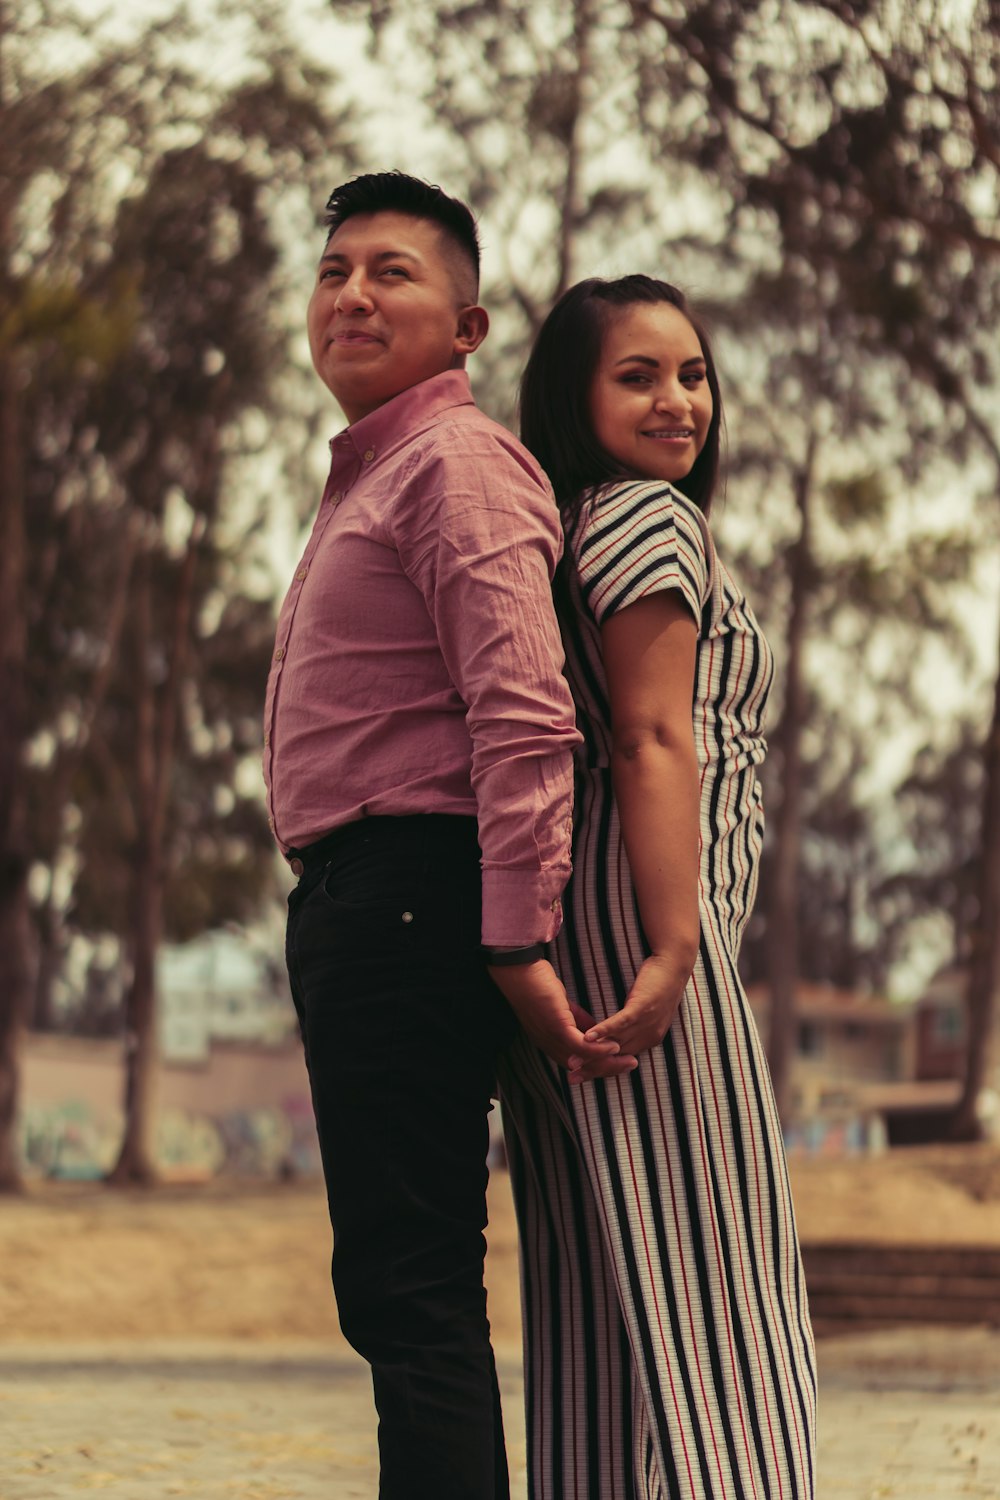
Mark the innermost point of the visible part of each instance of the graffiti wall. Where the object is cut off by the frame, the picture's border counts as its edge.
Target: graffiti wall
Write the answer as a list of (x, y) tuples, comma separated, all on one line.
[(71, 1141), (245, 1111)]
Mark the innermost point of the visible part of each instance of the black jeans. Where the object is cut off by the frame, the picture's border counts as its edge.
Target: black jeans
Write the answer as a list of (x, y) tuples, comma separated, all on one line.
[(402, 1027)]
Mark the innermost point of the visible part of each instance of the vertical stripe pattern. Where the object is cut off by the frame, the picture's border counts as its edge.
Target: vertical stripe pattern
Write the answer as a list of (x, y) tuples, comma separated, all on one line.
[(668, 1350)]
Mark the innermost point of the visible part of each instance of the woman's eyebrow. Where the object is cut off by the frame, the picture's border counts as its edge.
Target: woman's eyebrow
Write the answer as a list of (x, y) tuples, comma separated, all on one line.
[(654, 364)]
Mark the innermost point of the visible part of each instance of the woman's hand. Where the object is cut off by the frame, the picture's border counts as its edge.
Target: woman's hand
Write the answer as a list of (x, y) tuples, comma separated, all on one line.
[(652, 1003), (557, 1027)]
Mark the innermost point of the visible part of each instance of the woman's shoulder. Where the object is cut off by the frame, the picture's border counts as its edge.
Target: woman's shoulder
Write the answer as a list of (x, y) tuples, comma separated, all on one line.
[(608, 500), (624, 505), (637, 537)]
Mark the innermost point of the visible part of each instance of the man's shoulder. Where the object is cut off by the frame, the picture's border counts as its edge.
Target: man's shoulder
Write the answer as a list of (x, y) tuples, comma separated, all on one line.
[(466, 434)]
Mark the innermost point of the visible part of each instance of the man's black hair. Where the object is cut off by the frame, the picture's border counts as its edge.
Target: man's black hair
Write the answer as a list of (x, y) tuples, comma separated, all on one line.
[(395, 192)]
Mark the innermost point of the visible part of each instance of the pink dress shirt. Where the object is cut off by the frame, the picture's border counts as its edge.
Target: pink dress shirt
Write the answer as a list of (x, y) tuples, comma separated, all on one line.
[(417, 663)]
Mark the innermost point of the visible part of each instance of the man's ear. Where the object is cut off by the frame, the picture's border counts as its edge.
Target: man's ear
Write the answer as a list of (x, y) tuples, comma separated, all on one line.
[(473, 326)]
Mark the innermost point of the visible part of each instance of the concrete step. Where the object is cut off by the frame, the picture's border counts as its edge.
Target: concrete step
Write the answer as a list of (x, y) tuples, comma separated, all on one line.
[(855, 1285)]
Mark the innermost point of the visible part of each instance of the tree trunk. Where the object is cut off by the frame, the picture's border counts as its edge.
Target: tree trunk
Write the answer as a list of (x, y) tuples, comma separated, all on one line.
[(782, 933), (136, 1159), (155, 748), (15, 939), (984, 948), (14, 978), (50, 937), (583, 23), (49, 922)]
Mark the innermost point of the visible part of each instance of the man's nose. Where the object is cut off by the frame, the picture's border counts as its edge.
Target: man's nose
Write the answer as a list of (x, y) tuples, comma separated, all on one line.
[(354, 294)]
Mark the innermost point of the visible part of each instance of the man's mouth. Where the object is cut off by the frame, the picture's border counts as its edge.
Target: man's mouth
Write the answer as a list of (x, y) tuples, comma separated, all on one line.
[(354, 336)]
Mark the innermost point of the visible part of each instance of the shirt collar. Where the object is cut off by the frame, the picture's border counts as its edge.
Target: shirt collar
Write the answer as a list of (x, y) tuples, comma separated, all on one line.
[(412, 409)]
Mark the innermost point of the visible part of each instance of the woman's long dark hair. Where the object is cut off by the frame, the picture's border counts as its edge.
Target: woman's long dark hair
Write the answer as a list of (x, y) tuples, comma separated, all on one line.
[(556, 425)]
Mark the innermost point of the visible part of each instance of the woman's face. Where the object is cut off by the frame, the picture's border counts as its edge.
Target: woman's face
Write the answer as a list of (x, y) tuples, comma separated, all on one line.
[(650, 402)]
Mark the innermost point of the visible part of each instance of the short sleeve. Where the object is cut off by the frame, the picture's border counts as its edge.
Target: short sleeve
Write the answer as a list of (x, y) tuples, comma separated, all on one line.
[(639, 539)]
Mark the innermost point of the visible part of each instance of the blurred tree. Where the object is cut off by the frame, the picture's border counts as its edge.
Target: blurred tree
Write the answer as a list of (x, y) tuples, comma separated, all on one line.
[(532, 107), (849, 150), (142, 212), (817, 414), (870, 147)]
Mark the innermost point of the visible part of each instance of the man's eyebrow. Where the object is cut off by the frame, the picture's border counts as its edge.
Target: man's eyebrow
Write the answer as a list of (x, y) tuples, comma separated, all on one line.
[(654, 364), (337, 256)]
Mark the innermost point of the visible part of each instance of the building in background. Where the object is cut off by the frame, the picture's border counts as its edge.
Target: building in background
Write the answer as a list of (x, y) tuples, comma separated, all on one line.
[(867, 1071), (220, 988), (852, 1053), (232, 1093)]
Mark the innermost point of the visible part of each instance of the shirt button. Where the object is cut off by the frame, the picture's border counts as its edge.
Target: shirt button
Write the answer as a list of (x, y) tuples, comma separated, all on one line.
[(369, 455), (267, 739), (556, 905), (407, 916), (270, 824), (279, 653), (296, 866), (335, 498), (302, 573)]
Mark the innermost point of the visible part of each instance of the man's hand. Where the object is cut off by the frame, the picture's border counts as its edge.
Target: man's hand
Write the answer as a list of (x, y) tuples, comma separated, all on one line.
[(540, 1003), (652, 1003)]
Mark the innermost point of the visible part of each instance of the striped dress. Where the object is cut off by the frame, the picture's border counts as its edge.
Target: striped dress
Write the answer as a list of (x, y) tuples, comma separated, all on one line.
[(668, 1350)]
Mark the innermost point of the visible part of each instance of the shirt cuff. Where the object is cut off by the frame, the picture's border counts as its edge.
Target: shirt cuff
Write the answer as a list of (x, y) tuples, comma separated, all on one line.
[(521, 907)]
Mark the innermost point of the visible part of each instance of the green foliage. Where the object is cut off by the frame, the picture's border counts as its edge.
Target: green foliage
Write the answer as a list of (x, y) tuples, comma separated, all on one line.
[(825, 179), (142, 302)]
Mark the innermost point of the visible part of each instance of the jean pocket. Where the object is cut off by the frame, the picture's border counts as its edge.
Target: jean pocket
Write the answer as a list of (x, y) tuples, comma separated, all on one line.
[(394, 914)]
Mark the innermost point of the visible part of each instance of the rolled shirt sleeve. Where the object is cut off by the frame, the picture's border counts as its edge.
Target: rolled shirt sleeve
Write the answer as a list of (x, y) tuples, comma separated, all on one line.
[(480, 538)]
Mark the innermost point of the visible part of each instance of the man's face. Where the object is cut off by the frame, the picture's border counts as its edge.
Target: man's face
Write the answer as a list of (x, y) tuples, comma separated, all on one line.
[(386, 311)]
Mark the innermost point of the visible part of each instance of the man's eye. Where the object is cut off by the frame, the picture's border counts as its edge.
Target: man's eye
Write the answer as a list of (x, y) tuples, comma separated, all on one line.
[(394, 271), (329, 272)]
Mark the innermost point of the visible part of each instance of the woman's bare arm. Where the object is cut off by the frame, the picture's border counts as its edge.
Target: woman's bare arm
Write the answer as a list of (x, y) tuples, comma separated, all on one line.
[(649, 651)]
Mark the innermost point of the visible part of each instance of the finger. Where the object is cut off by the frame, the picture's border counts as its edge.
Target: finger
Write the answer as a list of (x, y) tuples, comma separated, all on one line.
[(585, 1021), (615, 1028), (583, 1018), (593, 1059), (573, 1044), (615, 1067), (635, 1037)]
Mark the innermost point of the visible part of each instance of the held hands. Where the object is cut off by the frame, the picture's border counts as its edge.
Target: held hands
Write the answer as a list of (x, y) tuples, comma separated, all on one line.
[(557, 1027), (652, 1003)]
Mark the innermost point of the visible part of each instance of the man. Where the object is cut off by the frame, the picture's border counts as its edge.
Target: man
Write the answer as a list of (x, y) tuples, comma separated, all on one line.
[(418, 739)]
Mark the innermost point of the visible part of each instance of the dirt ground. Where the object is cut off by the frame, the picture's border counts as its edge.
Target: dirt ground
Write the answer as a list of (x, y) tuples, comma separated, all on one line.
[(232, 1260)]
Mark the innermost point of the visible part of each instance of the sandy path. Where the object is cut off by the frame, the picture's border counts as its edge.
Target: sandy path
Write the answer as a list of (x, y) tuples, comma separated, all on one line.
[(231, 1260)]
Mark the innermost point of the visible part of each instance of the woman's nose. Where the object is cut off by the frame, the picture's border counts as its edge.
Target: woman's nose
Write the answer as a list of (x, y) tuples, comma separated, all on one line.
[(672, 398)]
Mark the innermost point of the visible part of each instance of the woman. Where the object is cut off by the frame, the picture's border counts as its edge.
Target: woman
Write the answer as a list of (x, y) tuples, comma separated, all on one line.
[(667, 1337)]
